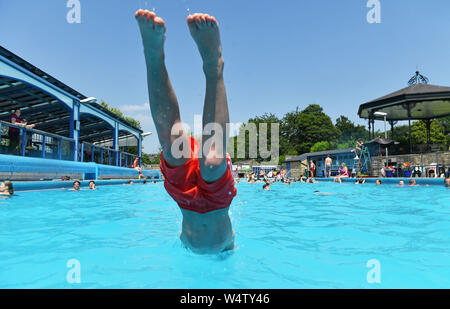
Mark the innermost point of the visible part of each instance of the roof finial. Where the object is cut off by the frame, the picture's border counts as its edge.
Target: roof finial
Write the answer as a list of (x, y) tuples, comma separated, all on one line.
[(418, 78)]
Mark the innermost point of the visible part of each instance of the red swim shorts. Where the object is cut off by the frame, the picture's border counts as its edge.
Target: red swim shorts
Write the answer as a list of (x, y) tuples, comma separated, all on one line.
[(187, 187)]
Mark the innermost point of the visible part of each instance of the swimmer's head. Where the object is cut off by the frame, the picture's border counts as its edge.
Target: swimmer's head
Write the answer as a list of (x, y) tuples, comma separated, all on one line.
[(447, 182), (378, 181), (7, 186), (76, 185), (91, 184), (401, 183), (412, 182)]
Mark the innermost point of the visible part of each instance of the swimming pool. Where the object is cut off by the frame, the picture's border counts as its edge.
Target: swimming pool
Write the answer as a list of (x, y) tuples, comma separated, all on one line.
[(127, 237)]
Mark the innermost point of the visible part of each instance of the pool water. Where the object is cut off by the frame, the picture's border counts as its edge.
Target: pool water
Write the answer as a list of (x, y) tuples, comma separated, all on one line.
[(126, 236)]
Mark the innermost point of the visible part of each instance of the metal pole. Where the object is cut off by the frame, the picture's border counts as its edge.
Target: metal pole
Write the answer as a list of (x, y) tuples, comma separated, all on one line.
[(410, 144), (24, 140), (60, 149), (385, 136)]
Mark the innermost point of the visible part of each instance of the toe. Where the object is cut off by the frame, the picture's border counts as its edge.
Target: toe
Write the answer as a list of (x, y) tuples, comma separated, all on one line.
[(191, 22), (207, 20), (149, 15), (200, 21), (159, 23), (138, 13), (214, 22), (190, 19)]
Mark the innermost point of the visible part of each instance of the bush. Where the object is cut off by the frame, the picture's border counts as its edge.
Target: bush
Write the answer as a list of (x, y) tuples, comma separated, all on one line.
[(320, 146)]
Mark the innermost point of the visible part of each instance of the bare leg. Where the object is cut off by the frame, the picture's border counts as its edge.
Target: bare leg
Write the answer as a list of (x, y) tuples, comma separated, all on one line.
[(205, 31), (163, 102)]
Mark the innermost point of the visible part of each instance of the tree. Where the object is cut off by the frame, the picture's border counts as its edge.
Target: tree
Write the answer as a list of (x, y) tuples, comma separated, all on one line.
[(349, 132), (320, 146), (302, 130), (119, 113), (251, 131), (419, 132)]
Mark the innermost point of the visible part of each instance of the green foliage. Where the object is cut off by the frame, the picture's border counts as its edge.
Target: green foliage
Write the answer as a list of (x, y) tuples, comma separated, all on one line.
[(349, 132), (301, 130), (252, 130), (311, 130), (419, 132), (149, 159), (119, 113), (320, 146)]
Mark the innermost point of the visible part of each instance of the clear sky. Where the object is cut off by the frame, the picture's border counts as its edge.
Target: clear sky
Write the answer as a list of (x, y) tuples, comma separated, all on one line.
[(279, 54)]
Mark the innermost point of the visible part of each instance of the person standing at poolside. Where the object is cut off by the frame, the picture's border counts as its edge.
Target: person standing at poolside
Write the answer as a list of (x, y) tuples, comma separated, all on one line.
[(14, 133), (312, 168), (200, 179), (328, 164)]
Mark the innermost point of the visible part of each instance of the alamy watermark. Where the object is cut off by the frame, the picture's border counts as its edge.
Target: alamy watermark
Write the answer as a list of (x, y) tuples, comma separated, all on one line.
[(252, 142), (374, 274), (74, 14), (74, 273), (374, 15)]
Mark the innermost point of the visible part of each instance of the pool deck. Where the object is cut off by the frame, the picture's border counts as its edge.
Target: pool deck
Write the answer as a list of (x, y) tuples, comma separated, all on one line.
[(389, 180)]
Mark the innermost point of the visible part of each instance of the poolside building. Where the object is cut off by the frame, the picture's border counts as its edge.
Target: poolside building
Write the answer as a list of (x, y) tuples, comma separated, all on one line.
[(297, 166), (73, 134)]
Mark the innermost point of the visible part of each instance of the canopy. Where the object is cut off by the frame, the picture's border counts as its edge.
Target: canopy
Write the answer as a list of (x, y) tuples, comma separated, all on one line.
[(418, 101)]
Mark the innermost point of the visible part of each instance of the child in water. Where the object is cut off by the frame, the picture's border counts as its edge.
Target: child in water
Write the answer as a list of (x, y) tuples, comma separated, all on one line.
[(200, 179)]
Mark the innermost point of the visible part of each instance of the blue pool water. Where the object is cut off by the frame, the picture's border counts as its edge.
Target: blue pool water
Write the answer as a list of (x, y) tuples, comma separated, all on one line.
[(127, 237)]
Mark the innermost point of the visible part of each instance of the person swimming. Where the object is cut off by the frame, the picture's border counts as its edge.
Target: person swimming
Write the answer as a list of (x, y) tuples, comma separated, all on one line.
[(6, 188), (76, 185), (200, 179), (323, 193), (92, 185)]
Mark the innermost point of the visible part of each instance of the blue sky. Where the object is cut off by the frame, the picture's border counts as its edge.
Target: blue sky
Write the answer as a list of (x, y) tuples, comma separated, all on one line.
[(279, 54)]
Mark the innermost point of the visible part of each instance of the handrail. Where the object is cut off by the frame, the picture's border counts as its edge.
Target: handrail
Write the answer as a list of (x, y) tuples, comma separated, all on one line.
[(117, 160), (8, 124), (129, 154), (100, 147)]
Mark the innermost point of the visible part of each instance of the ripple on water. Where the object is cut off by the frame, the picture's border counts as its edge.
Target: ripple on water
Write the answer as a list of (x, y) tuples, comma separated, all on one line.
[(289, 237)]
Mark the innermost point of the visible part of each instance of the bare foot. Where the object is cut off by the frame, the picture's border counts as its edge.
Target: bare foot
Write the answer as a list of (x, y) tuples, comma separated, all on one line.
[(205, 31), (153, 31)]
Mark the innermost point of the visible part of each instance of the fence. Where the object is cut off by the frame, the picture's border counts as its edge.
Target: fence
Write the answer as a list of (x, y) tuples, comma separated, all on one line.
[(27, 142)]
